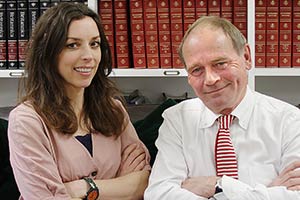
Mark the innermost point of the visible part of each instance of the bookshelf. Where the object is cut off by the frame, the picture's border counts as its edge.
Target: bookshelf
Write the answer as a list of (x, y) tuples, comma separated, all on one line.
[(281, 83)]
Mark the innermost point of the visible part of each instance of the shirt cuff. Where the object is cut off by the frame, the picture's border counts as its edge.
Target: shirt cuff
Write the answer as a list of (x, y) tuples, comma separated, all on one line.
[(219, 196), (232, 192)]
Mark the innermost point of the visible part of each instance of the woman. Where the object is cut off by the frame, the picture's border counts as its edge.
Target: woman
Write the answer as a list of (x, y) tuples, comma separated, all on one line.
[(69, 137)]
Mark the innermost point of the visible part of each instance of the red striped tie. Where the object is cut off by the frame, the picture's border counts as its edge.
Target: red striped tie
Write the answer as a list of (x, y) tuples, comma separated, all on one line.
[(226, 162)]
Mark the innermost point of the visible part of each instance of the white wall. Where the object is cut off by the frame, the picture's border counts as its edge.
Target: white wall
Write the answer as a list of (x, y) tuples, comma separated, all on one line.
[(152, 88), (8, 91)]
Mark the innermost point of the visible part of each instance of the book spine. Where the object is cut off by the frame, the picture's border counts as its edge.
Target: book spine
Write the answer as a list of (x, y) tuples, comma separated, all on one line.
[(121, 34), (151, 35), (240, 15), (260, 33), (12, 35), (227, 9), (201, 8), (33, 14), (189, 14), (164, 33), (44, 5), (285, 33), (137, 34), (176, 31), (3, 35), (106, 14), (296, 35), (272, 48), (23, 32), (214, 8), (54, 2)]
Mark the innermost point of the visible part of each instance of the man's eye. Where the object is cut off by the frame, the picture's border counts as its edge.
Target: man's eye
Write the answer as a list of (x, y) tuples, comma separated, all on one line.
[(221, 65), (197, 71)]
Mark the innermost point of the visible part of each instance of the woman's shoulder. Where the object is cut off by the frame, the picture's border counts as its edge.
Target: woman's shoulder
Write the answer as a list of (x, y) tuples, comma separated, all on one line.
[(22, 109)]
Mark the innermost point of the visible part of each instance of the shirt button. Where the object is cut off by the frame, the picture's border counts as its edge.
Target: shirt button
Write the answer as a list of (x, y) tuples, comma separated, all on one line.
[(94, 173)]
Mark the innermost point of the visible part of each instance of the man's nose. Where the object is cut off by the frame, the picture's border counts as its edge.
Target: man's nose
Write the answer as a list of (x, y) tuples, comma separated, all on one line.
[(211, 77)]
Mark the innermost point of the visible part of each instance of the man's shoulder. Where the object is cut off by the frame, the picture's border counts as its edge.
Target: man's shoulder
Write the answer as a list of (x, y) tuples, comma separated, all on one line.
[(274, 105), (194, 104)]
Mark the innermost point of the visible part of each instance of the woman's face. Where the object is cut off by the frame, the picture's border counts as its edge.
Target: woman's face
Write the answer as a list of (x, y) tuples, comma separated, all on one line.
[(81, 55)]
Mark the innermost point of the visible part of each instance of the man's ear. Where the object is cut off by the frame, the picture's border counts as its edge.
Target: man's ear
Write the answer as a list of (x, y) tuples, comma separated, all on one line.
[(247, 57)]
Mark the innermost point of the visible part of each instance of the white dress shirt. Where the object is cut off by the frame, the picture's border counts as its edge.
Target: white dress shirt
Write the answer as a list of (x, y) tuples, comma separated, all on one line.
[(265, 135)]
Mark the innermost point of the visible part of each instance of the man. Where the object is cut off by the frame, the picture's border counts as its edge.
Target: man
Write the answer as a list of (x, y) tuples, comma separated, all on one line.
[(265, 132)]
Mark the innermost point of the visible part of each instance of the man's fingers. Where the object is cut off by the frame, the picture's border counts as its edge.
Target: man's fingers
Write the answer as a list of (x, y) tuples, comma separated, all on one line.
[(290, 167)]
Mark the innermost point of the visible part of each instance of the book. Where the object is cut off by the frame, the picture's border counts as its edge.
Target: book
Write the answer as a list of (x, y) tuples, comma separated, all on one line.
[(33, 14), (3, 35), (260, 33), (189, 13), (44, 5), (176, 31), (285, 34), (164, 33), (23, 32), (214, 8), (240, 15), (227, 9), (272, 48), (296, 35), (12, 35), (105, 10), (137, 34), (121, 34), (151, 35), (201, 8)]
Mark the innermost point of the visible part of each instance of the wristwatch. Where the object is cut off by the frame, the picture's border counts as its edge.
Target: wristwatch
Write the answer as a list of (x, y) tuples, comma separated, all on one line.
[(218, 186), (93, 192)]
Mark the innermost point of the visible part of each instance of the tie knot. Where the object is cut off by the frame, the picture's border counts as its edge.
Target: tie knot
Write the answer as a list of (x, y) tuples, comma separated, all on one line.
[(225, 121)]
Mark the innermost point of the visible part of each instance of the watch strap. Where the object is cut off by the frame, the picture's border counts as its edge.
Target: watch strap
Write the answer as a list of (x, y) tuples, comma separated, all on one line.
[(218, 186), (93, 192)]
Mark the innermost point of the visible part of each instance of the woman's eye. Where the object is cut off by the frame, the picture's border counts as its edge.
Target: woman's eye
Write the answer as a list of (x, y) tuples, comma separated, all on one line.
[(95, 44), (72, 45)]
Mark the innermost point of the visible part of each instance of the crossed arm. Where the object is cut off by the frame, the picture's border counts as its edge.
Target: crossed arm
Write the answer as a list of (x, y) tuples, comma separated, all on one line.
[(130, 182), (205, 185)]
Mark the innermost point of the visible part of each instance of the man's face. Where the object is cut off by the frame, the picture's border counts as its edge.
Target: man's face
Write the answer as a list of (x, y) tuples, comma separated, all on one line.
[(216, 72)]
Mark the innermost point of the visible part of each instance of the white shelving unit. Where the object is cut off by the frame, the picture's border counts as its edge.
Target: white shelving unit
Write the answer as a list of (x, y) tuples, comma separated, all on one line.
[(282, 83)]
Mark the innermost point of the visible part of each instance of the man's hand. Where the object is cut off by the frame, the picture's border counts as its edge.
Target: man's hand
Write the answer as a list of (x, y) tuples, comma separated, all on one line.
[(203, 186), (133, 159), (289, 177)]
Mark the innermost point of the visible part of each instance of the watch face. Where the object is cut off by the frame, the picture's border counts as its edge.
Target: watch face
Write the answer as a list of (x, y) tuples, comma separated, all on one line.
[(93, 195)]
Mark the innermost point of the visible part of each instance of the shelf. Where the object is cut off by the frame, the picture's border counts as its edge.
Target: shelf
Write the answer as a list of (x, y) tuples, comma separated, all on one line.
[(148, 73), (168, 72), (277, 72), (16, 73), (116, 73)]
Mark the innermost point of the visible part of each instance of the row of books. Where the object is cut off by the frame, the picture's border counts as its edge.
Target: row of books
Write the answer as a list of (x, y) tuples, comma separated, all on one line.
[(277, 33), (17, 21), (147, 33)]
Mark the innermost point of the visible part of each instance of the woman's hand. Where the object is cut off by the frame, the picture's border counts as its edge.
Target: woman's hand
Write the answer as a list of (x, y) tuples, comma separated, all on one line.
[(133, 159)]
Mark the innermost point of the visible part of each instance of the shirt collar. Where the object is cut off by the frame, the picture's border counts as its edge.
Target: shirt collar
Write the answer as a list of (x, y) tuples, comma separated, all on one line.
[(242, 112)]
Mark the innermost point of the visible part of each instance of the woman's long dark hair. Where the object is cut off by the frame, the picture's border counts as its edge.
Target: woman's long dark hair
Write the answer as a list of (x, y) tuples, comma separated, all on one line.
[(43, 87)]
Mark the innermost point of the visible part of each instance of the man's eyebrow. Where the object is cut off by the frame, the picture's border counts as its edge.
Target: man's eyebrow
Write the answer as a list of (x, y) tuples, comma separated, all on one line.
[(219, 59)]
